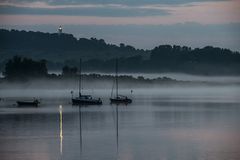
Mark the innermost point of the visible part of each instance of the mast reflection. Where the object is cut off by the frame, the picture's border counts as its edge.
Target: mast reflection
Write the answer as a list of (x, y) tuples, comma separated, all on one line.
[(80, 128), (117, 127)]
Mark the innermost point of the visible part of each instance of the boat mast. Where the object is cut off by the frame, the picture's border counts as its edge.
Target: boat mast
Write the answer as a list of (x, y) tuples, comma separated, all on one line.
[(116, 77), (80, 77)]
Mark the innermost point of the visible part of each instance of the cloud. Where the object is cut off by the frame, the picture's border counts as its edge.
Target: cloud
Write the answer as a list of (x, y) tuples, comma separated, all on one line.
[(101, 14), (125, 2), (109, 10)]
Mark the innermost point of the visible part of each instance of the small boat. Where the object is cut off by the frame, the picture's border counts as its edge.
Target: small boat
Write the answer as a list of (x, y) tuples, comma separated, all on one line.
[(28, 103), (119, 98), (87, 100), (84, 99)]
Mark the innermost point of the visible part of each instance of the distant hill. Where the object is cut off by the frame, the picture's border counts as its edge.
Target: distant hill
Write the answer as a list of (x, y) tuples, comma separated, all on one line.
[(175, 59), (59, 47), (65, 49)]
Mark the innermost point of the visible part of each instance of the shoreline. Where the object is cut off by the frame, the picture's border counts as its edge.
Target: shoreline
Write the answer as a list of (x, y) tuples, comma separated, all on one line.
[(96, 81)]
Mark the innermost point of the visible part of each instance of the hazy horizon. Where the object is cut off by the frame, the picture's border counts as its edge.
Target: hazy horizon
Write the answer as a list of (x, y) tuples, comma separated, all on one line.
[(142, 24), (179, 98)]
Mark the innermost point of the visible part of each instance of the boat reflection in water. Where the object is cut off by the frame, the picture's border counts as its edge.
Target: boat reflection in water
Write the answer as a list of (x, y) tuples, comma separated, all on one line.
[(80, 128), (117, 128), (61, 129)]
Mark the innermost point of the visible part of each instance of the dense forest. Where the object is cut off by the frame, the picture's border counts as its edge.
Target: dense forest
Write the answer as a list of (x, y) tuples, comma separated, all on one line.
[(65, 50), (59, 47), (25, 69)]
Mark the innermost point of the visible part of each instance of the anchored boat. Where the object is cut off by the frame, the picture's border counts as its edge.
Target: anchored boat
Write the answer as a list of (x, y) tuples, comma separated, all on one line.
[(87, 100), (28, 103), (84, 99), (119, 98)]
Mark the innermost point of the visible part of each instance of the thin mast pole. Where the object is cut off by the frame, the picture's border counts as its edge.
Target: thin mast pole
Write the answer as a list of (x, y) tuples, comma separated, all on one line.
[(116, 77), (80, 77)]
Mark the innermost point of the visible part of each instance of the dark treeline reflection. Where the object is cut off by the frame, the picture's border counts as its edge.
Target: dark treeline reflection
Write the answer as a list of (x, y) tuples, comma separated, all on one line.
[(65, 50)]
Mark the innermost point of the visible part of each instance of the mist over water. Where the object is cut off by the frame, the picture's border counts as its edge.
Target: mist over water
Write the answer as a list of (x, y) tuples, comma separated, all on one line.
[(177, 76), (163, 122)]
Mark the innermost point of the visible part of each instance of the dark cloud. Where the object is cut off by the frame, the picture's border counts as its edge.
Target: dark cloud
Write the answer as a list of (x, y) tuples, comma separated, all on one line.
[(126, 2), (92, 11), (129, 8)]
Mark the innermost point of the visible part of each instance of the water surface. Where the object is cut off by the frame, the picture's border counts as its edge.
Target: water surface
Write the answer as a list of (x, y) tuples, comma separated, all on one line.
[(162, 123)]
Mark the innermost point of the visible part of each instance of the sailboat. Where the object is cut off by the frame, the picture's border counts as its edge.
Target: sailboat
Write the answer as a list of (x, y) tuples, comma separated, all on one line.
[(119, 98), (84, 99), (34, 102)]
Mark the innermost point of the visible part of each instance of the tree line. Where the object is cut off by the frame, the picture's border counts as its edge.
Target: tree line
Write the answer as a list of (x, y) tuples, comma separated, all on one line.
[(64, 50), (166, 58), (24, 69), (59, 47)]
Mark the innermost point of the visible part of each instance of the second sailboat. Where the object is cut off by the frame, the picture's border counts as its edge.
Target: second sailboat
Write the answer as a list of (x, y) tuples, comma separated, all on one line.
[(119, 98)]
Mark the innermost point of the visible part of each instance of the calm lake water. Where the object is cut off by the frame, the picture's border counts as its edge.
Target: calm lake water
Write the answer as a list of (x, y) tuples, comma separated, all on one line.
[(161, 124)]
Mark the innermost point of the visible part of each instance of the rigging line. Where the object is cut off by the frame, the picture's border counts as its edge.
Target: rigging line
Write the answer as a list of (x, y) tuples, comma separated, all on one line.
[(80, 77), (117, 77)]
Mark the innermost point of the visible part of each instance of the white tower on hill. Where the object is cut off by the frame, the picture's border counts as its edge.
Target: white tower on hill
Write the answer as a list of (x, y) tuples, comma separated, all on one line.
[(60, 30)]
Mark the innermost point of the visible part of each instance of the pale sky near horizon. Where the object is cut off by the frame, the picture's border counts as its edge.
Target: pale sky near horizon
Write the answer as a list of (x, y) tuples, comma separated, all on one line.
[(141, 23)]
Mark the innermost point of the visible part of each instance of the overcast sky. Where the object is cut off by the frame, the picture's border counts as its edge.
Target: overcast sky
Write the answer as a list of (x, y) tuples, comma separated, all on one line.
[(141, 23)]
